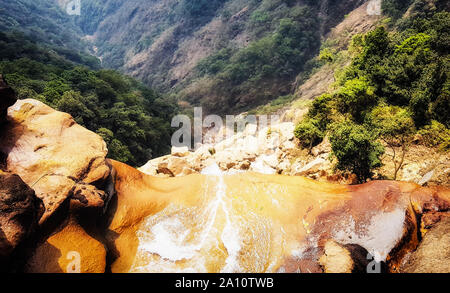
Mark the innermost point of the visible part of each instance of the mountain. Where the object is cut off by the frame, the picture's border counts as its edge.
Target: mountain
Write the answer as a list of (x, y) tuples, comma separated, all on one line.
[(227, 55), (42, 20)]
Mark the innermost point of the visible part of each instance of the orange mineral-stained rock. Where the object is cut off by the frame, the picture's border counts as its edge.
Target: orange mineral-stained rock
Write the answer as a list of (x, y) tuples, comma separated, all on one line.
[(140, 196), (250, 222), (54, 155), (70, 250)]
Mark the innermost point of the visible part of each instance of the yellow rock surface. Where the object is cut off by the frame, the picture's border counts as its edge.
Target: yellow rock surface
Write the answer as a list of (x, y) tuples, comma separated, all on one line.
[(70, 250), (336, 259), (51, 153), (250, 222)]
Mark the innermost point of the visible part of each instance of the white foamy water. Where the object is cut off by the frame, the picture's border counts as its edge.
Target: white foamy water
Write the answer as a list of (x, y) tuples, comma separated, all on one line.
[(178, 233), (212, 170), (169, 241), (379, 237), (230, 234)]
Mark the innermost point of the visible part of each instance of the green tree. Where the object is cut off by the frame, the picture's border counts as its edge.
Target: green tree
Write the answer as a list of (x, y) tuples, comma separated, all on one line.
[(396, 128), (356, 97), (322, 110), (309, 133), (70, 102), (436, 134), (356, 149)]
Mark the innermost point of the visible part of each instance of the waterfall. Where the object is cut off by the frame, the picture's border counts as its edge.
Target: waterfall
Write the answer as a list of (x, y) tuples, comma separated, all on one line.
[(180, 234)]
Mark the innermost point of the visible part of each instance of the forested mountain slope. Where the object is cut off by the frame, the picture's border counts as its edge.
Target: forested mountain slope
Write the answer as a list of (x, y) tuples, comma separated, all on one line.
[(43, 56), (228, 55)]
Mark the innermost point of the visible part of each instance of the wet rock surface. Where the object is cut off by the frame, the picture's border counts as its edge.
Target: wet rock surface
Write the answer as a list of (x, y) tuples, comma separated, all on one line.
[(264, 223), (69, 250)]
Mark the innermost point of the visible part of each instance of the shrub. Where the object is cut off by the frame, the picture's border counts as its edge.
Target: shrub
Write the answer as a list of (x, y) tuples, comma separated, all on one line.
[(436, 135), (356, 149), (321, 110), (356, 97), (309, 133)]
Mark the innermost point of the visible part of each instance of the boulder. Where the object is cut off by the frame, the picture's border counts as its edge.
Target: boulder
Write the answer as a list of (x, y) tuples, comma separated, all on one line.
[(151, 167), (336, 259), (344, 259), (230, 158), (270, 160), (286, 130), (7, 98), (433, 253), (58, 158), (310, 168), (284, 166), (261, 166), (69, 250), (205, 151), (426, 178), (20, 211), (323, 148), (288, 146), (175, 166)]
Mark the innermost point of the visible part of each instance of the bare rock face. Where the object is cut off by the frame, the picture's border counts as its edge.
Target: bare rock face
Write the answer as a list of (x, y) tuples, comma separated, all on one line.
[(20, 211), (70, 250), (62, 161), (433, 253), (7, 98)]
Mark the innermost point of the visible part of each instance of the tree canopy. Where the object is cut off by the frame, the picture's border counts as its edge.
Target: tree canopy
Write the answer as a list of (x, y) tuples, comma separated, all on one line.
[(133, 119)]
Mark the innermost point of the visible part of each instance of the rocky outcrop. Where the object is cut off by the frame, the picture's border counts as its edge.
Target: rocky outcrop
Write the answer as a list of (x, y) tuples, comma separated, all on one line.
[(101, 215), (20, 211), (344, 259), (69, 250), (7, 98), (252, 222), (265, 150), (433, 253), (275, 150), (63, 162)]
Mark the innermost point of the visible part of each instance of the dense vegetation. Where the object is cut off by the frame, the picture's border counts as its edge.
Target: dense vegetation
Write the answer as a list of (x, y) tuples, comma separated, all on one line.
[(42, 20), (397, 85), (133, 120)]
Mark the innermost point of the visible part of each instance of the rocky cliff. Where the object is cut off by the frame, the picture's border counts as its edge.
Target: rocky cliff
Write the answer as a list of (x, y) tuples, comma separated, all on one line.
[(76, 211)]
